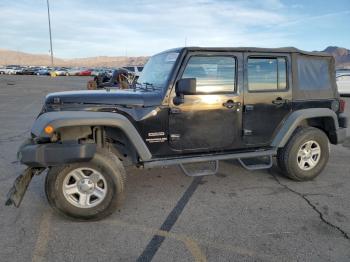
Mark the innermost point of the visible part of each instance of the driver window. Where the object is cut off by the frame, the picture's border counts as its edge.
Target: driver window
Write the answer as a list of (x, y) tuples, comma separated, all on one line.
[(214, 74)]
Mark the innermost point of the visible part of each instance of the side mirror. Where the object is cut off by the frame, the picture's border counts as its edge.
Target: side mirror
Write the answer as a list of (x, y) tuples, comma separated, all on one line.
[(186, 86)]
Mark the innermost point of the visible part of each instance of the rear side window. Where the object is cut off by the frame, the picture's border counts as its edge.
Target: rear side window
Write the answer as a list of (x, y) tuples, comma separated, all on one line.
[(267, 74), (313, 73), (214, 74)]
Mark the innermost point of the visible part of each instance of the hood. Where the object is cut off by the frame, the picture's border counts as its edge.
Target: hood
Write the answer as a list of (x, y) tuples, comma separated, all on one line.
[(112, 97)]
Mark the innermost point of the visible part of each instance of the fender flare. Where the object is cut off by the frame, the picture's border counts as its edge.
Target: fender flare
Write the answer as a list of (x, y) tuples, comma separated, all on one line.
[(294, 120), (85, 118)]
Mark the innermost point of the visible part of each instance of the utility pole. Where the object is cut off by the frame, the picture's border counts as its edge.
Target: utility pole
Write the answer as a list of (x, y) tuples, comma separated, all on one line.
[(48, 15)]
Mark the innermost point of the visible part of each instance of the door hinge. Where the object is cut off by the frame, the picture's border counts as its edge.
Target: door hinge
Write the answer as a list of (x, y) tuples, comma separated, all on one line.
[(247, 132)]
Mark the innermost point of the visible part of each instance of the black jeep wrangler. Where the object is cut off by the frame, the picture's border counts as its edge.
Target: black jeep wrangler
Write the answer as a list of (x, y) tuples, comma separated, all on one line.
[(191, 105)]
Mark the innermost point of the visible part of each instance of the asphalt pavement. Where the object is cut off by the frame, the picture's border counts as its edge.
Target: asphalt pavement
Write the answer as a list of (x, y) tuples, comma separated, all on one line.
[(236, 215)]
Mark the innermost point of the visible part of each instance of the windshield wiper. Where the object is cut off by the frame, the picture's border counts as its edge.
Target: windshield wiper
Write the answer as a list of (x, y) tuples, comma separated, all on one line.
[(148, 84), (145, 86)]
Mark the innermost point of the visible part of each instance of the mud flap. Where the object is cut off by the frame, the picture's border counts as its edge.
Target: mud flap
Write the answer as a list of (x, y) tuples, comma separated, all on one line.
[(17, 191)]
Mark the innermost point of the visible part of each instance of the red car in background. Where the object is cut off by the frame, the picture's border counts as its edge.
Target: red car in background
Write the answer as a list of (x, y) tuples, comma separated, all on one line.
[(86, 72)]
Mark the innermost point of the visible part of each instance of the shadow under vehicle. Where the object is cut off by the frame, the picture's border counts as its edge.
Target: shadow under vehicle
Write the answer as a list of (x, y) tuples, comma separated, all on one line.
[(190, 107)]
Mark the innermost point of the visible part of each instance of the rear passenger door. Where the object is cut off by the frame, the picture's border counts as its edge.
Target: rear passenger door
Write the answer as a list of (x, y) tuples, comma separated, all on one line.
[(267, 96)]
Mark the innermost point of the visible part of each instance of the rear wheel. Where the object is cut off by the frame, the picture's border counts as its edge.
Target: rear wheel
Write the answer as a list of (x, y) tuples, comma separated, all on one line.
[(305, 155), (87, 191)]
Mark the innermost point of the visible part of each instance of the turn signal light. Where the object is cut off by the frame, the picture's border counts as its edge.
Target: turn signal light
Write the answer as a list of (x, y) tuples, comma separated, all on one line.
[(48, 129)]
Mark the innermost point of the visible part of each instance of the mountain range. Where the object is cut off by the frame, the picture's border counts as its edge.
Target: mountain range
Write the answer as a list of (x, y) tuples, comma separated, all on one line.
[(341, 55), (10, 57)]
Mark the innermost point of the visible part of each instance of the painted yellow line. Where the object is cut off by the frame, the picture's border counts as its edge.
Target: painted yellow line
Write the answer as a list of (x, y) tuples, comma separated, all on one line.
[(190, 244), (43, 237)]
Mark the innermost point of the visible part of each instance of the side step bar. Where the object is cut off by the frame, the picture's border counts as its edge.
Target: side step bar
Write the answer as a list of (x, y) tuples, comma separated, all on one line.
[(199, 169), (256, 166), (209, 157)]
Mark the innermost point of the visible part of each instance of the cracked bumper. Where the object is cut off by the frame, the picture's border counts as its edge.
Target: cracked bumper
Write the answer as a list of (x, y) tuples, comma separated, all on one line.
[(17, 191), (44, 155)]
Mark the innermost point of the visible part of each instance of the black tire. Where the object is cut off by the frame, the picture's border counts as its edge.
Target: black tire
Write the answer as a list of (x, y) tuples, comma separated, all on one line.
[(114, 174), (287, 157)]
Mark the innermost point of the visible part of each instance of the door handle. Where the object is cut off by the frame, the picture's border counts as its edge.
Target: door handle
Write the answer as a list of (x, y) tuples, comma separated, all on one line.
[(230, 104), (280, 101)]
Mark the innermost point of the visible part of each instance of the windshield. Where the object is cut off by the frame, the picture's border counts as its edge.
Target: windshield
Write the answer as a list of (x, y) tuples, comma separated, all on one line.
[(157, 69)]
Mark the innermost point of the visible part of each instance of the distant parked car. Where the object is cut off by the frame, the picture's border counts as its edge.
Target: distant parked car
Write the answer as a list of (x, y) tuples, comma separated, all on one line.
[(86, 72), (18, 70), (59, 71), (343, 82), (97, 71), (10, 70), (30, 71), (73, 71), (43, 72), (2, 70), (119, 79), (135, 69)]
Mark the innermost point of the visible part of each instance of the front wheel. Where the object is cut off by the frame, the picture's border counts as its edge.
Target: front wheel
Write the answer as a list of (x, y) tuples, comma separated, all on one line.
[(305, 155), (87, 191)]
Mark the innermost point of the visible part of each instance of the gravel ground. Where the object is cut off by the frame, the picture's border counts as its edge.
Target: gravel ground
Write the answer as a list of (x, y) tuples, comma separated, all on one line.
[(235, 215)]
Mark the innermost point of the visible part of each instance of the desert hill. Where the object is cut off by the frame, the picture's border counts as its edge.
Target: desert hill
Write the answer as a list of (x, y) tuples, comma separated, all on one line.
[(342, 58), (8, 57), (341, 55)]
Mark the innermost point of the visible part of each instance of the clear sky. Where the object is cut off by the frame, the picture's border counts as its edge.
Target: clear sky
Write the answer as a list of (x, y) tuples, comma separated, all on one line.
[(82, 28)]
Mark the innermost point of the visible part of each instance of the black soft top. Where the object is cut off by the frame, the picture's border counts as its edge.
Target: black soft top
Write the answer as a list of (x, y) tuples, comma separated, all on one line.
[(250, 49), (313, 73)]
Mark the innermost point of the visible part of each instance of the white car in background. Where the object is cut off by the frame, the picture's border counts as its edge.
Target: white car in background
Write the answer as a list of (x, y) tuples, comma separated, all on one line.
[(97, 71), (73, 71), (10, 70), (343, 82)]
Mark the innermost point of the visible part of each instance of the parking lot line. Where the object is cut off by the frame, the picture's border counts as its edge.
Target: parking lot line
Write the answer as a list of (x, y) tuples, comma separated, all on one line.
[(190, 243), (43, 237), (193, 244), (157, 240)]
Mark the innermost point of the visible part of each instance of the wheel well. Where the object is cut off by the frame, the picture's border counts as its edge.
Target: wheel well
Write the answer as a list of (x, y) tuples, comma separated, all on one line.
[(326, 124), (104, 136), (120, 145)]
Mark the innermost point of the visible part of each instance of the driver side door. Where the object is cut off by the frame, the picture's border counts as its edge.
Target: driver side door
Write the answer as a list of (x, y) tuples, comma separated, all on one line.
[(210, 119)]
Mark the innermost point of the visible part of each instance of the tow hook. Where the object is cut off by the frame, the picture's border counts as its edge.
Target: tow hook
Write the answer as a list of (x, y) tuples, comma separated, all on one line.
[(17, 191)]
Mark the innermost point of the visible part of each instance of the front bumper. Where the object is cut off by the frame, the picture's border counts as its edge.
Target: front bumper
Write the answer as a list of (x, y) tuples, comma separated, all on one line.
[(17, 191), (51, 154), (39, 156)]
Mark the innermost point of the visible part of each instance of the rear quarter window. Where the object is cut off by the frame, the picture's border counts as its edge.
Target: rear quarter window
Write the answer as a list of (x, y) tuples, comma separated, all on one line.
[(313, 73)]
